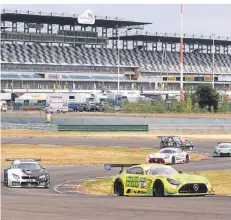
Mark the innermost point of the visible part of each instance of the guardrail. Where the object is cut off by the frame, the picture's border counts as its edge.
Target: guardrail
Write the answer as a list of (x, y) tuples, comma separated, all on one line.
[(192, 127), (44, 127), (103, 128)]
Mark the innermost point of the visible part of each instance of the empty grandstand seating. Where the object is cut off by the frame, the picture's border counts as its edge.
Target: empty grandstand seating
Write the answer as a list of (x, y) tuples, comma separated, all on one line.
[(148, 60)]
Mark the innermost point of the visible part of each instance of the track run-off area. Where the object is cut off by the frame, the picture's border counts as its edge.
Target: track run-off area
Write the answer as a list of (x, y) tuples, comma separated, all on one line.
[(40, 204)]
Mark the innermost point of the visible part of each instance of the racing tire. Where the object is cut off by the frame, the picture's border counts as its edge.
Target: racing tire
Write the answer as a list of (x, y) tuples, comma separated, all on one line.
[(173, 160), (5, 178), (48, 185), (6, 181), (187, 158), (119, 188), (158, 189), (161, 145), (58, 111)]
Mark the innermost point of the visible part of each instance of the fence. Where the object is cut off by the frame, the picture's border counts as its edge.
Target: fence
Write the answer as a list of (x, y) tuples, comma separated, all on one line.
[(109, 120), (195, 127), (151, 127), (44, 127)]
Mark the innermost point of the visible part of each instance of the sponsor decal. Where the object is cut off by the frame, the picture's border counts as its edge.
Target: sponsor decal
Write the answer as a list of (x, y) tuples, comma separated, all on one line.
[(140, 192), (143, 182), (132, 181), (171, 78)]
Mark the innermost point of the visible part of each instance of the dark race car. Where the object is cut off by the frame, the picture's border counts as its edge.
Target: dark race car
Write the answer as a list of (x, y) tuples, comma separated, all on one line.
[(26, 173), (175, 141)]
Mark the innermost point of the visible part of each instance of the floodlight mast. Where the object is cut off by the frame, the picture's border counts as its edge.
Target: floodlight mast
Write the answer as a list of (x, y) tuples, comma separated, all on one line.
[(118, 54), (181, 56), (213, 53)]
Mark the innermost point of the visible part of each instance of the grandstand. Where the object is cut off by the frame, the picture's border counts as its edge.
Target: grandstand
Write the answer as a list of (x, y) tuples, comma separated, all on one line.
[(46, 53)]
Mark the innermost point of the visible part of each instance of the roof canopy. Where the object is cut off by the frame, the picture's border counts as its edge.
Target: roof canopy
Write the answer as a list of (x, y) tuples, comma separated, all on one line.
[(169, 39), (49, 19)]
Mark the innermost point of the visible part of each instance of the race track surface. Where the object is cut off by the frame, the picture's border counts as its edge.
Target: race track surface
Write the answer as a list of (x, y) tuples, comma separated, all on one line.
[(42, 204)]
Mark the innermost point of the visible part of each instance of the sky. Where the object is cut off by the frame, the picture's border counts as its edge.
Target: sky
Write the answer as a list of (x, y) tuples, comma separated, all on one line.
[(198, 19)]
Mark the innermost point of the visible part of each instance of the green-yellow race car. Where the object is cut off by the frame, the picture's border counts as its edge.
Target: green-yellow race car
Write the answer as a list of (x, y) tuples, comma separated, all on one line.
[(157, 180)]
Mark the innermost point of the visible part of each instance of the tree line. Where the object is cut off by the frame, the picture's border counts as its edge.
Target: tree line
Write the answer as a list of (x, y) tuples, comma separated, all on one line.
[(205, 99)]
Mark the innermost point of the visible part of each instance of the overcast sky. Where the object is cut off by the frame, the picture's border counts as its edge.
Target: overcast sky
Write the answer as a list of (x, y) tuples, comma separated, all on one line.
[(198, 19)]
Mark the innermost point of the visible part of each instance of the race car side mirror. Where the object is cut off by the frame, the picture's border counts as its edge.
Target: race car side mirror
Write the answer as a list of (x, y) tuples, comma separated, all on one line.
[(180, 171)]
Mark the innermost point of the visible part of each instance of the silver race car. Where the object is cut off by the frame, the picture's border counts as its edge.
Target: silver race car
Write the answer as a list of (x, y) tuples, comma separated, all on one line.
[(26, 173), (223, 149)]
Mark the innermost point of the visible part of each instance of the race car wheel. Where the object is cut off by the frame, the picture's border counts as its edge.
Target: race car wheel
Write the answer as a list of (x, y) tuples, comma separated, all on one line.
[(6, 181), (48, 184), (187, 158), (58, 111), (161, 145), (5, 178), (158, 189), (119, 188), (173, 160)]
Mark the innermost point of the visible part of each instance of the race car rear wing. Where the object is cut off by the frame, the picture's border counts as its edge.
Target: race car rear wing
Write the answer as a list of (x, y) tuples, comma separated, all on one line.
[(109, 166), (24, 159), (161, 136), (224, 142)]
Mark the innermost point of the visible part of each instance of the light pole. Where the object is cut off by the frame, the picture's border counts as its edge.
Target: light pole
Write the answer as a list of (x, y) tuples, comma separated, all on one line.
[(118, 56), (181, 57), (213, 53), (118, 65)]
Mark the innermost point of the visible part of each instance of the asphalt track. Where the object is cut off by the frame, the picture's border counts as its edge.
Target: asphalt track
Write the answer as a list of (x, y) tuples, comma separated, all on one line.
[(40, 204)]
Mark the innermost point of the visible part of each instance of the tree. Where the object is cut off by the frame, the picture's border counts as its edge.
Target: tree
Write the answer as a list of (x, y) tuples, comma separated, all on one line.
[(196, 108), (189, 104), (206, 97)]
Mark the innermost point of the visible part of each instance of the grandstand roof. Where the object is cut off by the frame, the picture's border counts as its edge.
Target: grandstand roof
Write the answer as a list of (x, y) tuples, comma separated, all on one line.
[(170, 39), (49, 19)]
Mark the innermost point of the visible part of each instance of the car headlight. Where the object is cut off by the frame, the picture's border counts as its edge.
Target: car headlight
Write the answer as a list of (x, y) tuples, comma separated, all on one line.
[(42, 177), (16, 176), (173, 182)]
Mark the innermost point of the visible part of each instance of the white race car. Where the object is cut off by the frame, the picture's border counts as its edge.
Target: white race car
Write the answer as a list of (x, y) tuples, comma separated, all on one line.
[(223, 149), (169, 156), (26, 173)]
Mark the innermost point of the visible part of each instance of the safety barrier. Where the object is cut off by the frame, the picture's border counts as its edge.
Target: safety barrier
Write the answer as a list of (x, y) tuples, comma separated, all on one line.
[(102, 127), (36, 126), (193, 127)]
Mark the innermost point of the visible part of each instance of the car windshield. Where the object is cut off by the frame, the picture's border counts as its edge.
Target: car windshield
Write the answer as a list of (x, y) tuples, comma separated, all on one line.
[(160, 171), (167, 151), (28, 166), (225, 146)]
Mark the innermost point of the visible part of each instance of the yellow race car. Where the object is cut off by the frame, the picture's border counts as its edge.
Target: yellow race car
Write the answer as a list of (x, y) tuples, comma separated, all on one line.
[(157, 180)]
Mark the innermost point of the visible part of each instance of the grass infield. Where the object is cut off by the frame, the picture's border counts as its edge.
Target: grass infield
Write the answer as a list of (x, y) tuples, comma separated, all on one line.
[(70, 155), (220, 181)]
